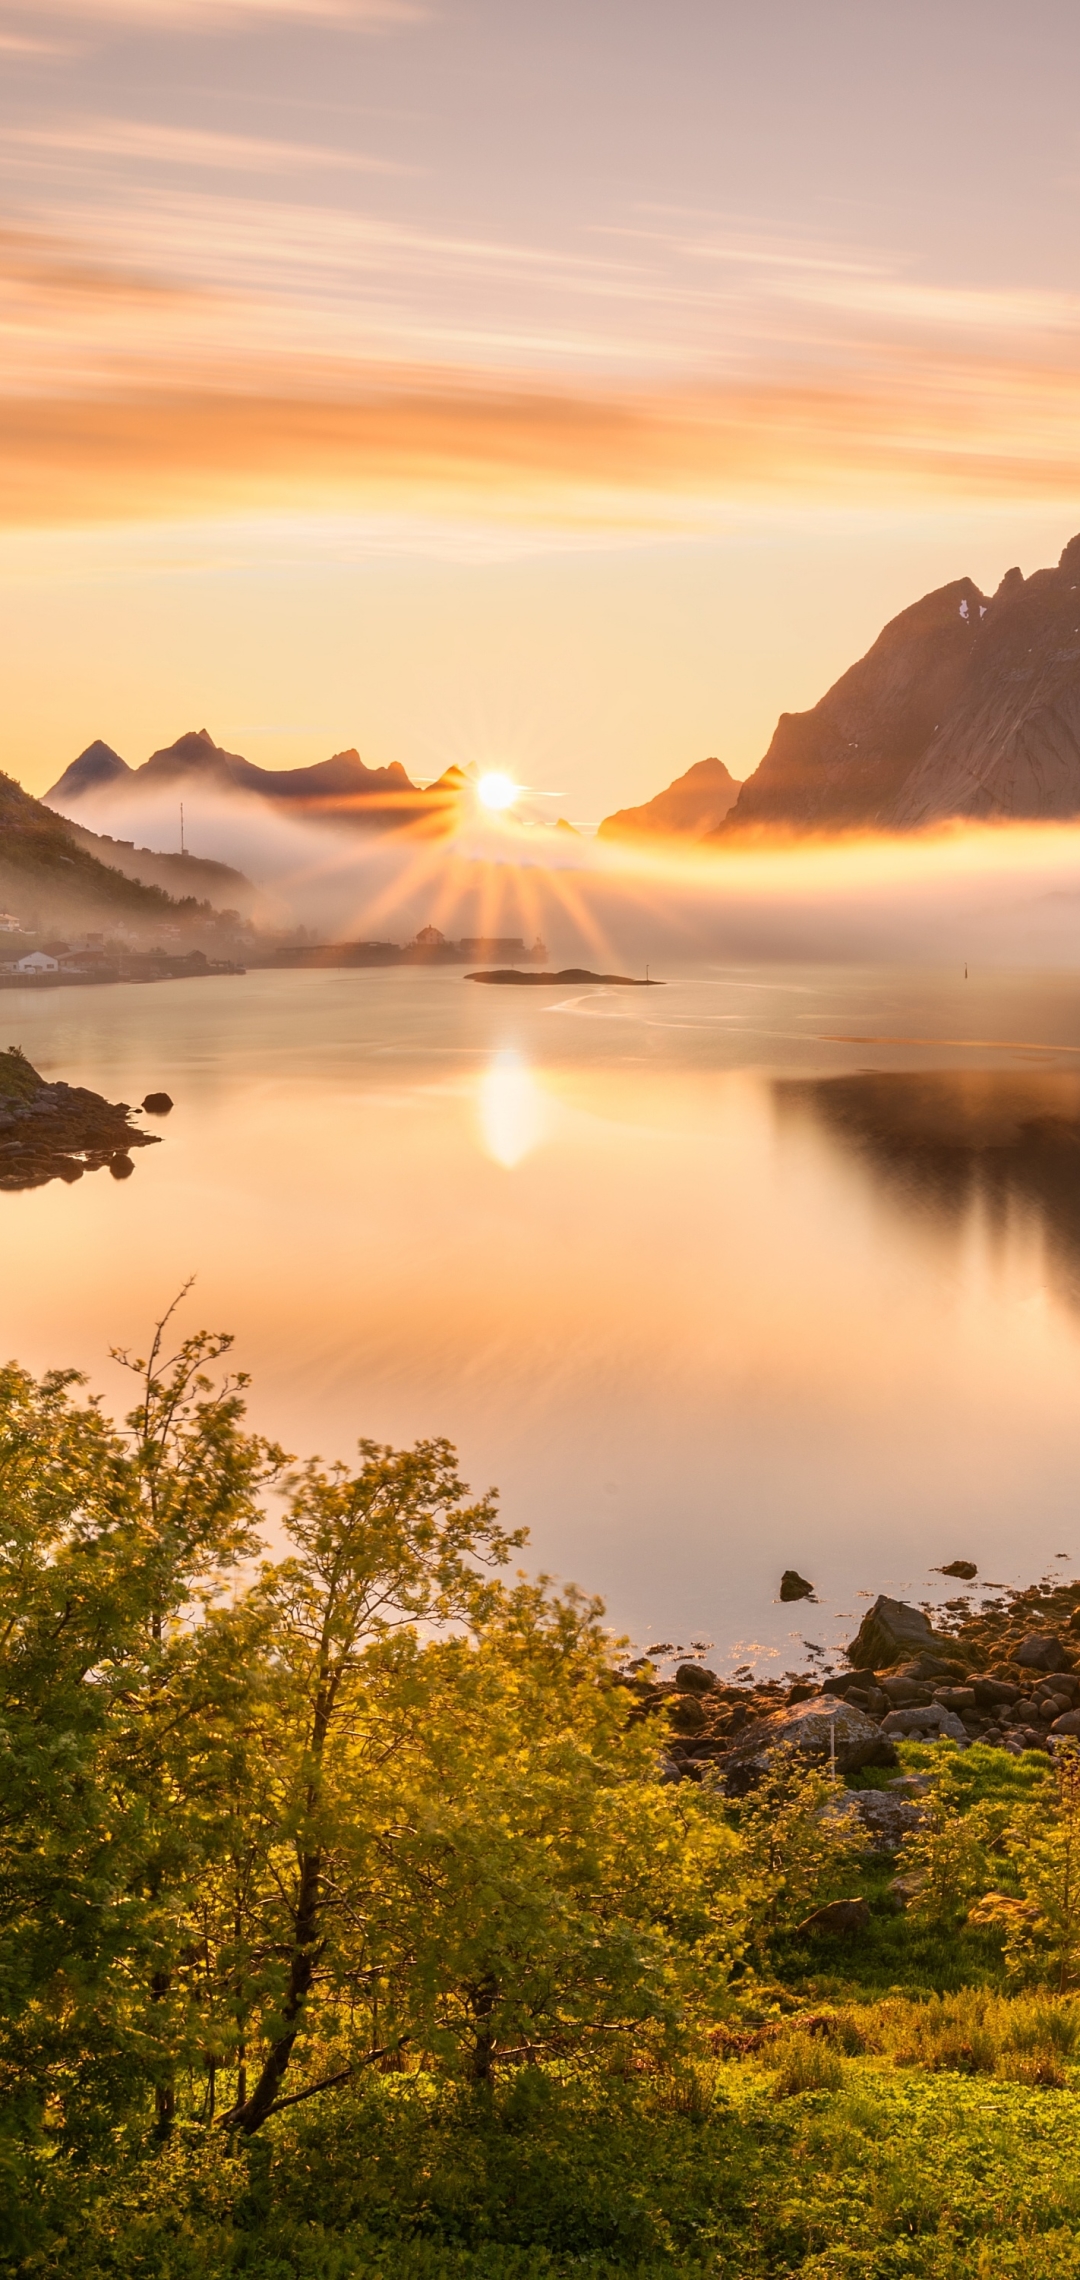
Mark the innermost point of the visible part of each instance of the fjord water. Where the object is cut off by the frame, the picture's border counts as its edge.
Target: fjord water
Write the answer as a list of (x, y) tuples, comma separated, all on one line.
[(767, 1268)]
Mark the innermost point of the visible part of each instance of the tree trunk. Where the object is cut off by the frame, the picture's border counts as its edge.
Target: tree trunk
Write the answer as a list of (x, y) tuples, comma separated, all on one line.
[(249, 2113)]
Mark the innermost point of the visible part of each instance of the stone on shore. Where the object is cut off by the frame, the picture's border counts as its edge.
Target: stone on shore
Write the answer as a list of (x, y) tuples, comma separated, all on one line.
[(813, 1730), (889, 1630), (1041, 1651)]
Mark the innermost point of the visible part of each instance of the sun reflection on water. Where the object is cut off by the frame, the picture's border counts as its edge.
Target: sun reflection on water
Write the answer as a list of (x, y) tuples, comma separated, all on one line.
[(512, 1108)]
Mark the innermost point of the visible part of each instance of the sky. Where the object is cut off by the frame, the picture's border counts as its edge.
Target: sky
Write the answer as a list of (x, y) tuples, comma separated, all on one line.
[(566, 388)]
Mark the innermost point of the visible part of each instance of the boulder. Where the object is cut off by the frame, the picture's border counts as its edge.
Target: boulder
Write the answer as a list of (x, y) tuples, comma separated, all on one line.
[(885, 1817), (693, 1678), (794, 1586), (687, 1714), (928, 1718), (157, 1104), (838, 1916), (889, 1630), (1041, 1651), (815, 1730), (904, 1889), (965, 1569), (1068, 1723)]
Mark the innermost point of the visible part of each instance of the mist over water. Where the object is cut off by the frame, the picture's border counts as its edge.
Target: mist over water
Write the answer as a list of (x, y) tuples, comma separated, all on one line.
[(775, 1266), (1004, 896)]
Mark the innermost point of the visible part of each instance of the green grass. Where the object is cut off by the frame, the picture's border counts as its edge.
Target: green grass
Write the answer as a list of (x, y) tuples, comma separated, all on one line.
[(739, 2170)]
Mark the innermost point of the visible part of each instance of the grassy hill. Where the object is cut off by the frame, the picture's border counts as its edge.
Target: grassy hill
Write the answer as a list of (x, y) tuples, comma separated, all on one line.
[(51, 883)]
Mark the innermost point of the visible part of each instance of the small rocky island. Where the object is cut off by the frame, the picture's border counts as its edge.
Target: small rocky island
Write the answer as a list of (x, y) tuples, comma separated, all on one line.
[(509, 975), (55, 1131)]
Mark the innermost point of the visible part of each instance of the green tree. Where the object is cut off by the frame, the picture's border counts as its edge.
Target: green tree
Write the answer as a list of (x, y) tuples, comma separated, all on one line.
[(555, 1893), (113, 1546), (379, 1553)]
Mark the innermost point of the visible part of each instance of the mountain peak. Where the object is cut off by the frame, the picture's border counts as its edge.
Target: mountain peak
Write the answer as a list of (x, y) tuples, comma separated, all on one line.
[(963, 706), (696, 803), (95, 768)]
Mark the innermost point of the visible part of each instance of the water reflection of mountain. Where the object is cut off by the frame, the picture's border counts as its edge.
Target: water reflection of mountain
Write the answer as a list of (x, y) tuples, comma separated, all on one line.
[(946, 1141)]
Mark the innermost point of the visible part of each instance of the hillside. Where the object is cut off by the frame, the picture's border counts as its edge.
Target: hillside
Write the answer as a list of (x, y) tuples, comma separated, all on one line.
[(693, 805), (965, 706), (178, 875), (52, 883)]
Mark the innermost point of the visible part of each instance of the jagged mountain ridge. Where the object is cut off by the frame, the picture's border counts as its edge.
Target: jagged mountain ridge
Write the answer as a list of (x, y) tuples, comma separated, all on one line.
[(965, 706), (342, 786), (689, 808)]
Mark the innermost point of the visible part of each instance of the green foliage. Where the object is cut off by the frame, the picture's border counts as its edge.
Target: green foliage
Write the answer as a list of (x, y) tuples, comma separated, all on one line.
[(346, 1928), (798, 1847)]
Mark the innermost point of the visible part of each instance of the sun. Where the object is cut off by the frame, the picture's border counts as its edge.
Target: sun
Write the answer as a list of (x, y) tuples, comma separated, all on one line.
[(497, 791)]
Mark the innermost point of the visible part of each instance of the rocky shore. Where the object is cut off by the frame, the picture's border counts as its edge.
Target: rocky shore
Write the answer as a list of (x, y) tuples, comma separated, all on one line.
[(59, 1131), (1006, 1673)]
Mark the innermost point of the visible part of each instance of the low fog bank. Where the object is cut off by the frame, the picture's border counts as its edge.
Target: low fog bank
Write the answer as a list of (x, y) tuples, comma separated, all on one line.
[(1007, 895)]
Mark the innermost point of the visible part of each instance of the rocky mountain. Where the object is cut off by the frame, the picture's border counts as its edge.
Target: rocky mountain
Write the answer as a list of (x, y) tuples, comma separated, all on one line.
[(342, 786), (967, 705), (690, 807)]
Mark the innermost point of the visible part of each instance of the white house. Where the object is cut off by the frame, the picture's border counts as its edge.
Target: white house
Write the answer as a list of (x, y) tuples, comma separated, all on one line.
[(37, 962)]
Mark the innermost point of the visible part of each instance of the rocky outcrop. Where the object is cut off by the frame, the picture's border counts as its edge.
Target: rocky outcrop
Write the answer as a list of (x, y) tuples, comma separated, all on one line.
[(889, 1630), (690, 807), (966, 705), (58, 1131)]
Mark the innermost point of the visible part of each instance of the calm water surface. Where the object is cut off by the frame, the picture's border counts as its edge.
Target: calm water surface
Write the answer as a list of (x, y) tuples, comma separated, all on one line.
[(763, 1269)]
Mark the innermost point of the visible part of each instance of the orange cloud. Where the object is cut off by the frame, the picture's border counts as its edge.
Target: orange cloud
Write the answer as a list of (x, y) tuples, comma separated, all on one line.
[(327, 441)]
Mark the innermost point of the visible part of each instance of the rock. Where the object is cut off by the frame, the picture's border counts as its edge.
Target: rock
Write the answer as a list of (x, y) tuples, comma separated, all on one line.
[(958, 1698), (991, 1691), (687, 1715), (814, 1729), (795, 1586), (928, 1669), (693, 1678), (838, 1916), (888, 1630), (898, 1690), (1041, 1651), (965, 1569), (904, 1889), (1069, 1723), (925, 1718), (158, 1104), (885, 1816), (121, 1167)]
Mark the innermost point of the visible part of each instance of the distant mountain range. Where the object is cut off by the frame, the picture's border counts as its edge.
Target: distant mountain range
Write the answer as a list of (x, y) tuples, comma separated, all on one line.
[(968, 705), (342, 788)]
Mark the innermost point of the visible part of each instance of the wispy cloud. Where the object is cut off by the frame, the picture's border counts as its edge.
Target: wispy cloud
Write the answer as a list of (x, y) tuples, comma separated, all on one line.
[(150, 367), (203, 15), (551, 455), (152, 143), (24, 43)]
